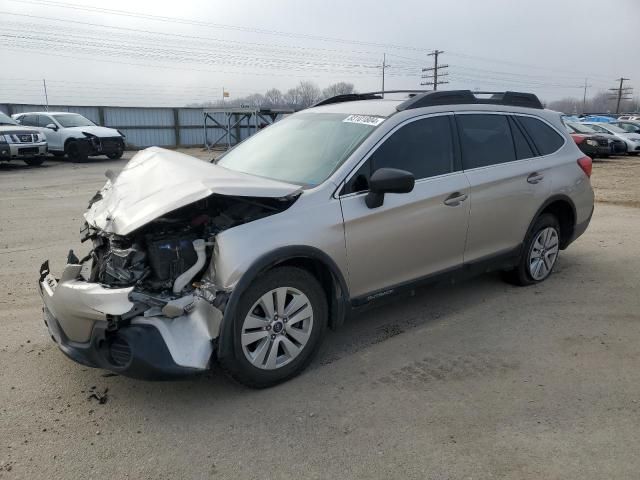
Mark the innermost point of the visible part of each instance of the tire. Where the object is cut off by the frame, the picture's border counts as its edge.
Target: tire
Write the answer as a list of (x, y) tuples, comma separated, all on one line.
[(75, 152), (34, 162), (529, 271), (296, 335), (115, 155)]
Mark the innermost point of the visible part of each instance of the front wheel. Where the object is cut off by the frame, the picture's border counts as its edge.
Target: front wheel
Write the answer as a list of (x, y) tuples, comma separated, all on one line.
[(279, 325), (539, 253), (117, 154), (76, 151)]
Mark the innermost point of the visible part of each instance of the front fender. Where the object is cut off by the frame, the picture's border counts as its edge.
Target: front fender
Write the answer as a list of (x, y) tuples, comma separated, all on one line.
[(266, 262)]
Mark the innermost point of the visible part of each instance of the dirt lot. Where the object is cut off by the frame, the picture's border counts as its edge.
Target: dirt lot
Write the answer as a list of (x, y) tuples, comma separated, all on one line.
[(478, 380)]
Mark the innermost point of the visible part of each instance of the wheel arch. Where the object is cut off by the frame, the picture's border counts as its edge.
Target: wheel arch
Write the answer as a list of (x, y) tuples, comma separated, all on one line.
[(563, 208), (315, 261)]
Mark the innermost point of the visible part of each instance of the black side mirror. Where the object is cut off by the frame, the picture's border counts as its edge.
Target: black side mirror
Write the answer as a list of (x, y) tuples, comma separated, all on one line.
[(388, 180)]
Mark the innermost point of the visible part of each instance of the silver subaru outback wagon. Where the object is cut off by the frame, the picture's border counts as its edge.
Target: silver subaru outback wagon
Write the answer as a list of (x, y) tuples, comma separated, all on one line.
[(246, 261)]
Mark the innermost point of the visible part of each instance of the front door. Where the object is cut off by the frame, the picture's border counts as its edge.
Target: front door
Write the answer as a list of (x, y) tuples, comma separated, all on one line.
[(54, 137), (412, 235)]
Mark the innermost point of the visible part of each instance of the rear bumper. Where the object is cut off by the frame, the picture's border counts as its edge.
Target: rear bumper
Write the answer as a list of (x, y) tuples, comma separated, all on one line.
[(579, 229)]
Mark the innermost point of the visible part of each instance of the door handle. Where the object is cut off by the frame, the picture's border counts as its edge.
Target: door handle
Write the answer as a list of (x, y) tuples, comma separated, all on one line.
[(455, 199), (535, 177)]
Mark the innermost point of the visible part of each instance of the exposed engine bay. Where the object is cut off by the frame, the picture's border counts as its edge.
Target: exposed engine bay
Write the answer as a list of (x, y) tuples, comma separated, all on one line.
[(168, 254)]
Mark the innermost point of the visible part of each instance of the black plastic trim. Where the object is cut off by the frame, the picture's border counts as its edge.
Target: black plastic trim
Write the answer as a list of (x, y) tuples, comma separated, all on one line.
[(150, 357), (499, 261), (266, 262), (467, 97)]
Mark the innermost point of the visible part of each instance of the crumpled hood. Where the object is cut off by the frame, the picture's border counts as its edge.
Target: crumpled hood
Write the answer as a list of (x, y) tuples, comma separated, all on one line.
[(95, 130), (157, 181)]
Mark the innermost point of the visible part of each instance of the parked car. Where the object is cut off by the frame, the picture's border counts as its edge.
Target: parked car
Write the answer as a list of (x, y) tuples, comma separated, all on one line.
[(593, 143), (628, 126), (635, 118), (21, 143), (632, 140), (597, 118), (75, 136), (246, 261)]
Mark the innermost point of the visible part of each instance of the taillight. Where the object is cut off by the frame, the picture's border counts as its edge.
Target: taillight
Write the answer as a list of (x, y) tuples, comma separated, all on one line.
[(578, 139), (586, 165)]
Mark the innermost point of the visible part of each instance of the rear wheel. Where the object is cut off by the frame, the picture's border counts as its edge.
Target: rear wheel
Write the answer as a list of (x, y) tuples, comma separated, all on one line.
[(539, 254), (33, 162), (75, 152), (278, 328)]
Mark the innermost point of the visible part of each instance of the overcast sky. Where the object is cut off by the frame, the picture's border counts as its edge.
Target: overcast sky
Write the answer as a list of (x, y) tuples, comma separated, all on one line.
[(147, 52)]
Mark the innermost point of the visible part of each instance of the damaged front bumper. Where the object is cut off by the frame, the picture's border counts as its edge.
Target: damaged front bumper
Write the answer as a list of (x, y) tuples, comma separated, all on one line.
[(109, 328)]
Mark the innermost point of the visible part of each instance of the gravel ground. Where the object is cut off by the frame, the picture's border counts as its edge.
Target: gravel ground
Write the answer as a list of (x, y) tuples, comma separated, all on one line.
[(476, 380)]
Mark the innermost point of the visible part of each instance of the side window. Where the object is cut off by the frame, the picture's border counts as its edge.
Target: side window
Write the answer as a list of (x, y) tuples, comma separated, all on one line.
[(423, 147), (520, 143), (29, 120), (547, 140), (485, 140), (43, 120)]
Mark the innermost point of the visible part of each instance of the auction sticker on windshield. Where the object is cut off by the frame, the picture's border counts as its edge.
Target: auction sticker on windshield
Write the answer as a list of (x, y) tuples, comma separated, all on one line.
[(364, 119)]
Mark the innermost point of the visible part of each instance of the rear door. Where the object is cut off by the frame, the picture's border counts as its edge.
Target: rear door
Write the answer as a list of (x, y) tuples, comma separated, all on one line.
[(412, 235), (507, 184)]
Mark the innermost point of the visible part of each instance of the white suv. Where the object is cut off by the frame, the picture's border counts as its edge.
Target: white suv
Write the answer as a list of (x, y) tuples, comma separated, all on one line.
[(73, 135)]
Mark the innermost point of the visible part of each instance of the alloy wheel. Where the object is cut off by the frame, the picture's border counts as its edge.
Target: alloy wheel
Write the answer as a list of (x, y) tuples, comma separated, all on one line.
[(277, 328), (543, 254)]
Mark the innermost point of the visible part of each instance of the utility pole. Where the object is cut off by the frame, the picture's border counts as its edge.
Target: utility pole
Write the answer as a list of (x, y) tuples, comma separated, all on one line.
[(46, 97), (584, 97), (621, 93), (384, 66), (435, 69)]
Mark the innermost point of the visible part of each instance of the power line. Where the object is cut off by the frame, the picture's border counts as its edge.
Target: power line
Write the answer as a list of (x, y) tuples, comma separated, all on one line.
[(186, 21)]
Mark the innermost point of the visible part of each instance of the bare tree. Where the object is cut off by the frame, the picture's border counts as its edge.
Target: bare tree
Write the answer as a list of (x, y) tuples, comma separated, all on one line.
[(309, 93), (273, 98), (340, 88), (292, 97)]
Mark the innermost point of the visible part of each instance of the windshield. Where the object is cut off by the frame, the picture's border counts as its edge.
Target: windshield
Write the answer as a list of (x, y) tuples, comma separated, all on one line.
[(7, 120), (579, 128), (303, 149), (72, 120)]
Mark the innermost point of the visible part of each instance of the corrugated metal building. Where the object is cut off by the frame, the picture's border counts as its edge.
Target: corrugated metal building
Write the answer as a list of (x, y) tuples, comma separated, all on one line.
[(145, 127)]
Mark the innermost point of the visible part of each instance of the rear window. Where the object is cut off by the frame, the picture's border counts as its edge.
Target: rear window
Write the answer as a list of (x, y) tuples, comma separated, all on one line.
[(485, 140), (546, 139)]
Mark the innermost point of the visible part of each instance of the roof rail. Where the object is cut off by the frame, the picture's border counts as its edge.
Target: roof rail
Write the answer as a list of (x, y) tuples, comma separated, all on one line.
[(351, 97), (461, 97)]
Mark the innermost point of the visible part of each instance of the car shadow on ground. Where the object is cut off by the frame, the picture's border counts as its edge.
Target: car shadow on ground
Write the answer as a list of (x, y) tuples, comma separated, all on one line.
[(428, 305)]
